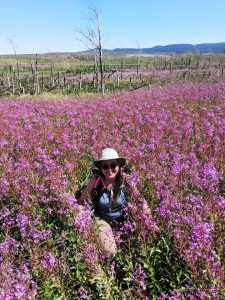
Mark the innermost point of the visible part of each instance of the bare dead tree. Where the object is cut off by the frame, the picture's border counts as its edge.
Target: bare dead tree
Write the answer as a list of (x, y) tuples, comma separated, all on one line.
[(138, 57), (11, 42), (92, 38), (121, 66)]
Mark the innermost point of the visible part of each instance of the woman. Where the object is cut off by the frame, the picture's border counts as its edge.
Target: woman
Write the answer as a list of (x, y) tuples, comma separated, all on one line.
[(109, 191)]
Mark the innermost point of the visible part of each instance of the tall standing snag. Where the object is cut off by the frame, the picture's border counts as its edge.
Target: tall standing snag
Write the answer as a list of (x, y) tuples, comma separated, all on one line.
[(92, 37)]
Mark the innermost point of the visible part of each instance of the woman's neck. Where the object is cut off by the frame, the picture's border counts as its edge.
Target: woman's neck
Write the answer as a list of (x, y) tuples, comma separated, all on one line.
[(108, 183)]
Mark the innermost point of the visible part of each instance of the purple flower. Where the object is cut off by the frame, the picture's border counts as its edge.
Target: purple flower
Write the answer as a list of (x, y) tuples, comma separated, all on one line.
[(48, 261), (6, 218), (134, 178), (82, 293), (4, 187), (9, 245), (209, 172), (139, 277), (83, 221)]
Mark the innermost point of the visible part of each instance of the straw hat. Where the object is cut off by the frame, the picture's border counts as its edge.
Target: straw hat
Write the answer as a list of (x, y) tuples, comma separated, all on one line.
[(107, 154)]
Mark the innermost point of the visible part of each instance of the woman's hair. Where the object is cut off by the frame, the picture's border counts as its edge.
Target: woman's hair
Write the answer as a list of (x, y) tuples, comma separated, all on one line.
[(118, 184)]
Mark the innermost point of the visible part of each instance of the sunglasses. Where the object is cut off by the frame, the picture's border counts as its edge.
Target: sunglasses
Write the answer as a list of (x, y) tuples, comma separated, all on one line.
[(111, 166)]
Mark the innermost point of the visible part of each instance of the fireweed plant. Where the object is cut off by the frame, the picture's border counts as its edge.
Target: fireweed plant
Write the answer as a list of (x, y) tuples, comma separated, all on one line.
[(174, 138)]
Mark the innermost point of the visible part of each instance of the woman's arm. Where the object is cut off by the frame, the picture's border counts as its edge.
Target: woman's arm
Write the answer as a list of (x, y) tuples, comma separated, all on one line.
[(88, 190)]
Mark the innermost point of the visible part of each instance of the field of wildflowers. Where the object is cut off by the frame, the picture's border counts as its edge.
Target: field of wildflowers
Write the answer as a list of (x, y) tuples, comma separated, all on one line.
[(174, 138)]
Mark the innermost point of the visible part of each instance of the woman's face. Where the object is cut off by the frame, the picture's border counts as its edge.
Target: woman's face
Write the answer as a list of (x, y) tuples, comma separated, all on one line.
[(110, 168)]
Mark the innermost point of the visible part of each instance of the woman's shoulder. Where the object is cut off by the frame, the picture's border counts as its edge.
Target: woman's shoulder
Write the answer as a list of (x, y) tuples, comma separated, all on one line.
[(94, 178)]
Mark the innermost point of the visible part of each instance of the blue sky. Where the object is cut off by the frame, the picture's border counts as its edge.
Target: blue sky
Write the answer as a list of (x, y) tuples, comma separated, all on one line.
[(39, 26)]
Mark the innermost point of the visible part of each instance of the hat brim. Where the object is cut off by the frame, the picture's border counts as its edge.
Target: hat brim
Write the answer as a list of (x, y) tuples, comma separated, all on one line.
[(121, 161)]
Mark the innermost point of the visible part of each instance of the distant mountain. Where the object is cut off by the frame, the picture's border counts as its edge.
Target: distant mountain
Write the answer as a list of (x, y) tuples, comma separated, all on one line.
[(174, 48)]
